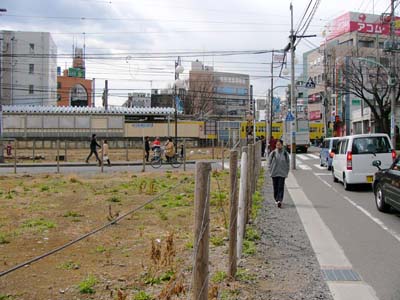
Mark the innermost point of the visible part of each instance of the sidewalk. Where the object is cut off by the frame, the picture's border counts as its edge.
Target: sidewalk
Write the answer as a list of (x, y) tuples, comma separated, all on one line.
[(285, 264)]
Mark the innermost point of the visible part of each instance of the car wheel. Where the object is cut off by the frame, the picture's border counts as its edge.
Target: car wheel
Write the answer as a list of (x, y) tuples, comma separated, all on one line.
[(381, 205), (346, 186), (333, 176)]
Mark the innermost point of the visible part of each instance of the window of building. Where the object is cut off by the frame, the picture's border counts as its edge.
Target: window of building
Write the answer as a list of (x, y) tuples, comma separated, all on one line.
[(31, 68), (347, 43), (31, 89), (319, 79), (58, 85), (31, 48), (380, 45), (365, 44)]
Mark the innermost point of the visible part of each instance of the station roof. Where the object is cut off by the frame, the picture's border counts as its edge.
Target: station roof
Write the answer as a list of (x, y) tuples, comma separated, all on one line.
[(112, 110)]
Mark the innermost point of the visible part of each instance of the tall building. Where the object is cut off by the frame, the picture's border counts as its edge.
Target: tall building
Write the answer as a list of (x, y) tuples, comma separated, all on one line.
[(28, 68), (351, 38), (216, 93), (72, 87)]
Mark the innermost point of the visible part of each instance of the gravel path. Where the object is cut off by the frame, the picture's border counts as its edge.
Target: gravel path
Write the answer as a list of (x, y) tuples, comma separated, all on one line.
[(285, 263)]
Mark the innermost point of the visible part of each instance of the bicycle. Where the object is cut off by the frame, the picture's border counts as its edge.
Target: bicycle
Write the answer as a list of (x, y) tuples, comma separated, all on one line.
[(158, 160)]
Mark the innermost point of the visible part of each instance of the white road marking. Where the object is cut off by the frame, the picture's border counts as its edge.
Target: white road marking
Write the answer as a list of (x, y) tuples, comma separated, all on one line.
[(313, 156), (302, 157), (376, 220), (329, 253), (367, 213), (319, 167), (322, 174), (304, 167)]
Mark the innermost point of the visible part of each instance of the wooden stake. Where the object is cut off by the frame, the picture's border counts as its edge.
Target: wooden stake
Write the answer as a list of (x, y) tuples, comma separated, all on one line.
[(144, 156), (233, 195), (15, 156), (241, 224), (65, 150), (102, 157), (126, 151), (250, 164), (222, 156), (201, 231), (184, 155), (58, 156), (33, 150)]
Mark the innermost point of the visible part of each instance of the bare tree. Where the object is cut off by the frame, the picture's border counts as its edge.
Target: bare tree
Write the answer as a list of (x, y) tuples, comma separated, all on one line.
[(369, 82), (200, 97)]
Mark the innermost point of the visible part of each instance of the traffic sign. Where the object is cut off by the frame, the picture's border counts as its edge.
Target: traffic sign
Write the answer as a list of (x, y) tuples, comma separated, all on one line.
[(289, 117), (310, 84)]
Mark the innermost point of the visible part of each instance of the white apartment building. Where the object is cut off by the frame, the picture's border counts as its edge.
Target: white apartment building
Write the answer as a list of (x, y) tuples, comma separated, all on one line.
[(28, 68)]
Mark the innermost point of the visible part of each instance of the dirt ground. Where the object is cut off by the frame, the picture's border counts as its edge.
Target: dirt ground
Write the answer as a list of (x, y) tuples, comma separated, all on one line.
[(147, 255), (115, 155)]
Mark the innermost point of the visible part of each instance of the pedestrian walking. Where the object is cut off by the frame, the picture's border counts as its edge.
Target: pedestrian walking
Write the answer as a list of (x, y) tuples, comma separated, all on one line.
[(147, 147), (279, 162), (93, 149), (263, 146), (106, 153)]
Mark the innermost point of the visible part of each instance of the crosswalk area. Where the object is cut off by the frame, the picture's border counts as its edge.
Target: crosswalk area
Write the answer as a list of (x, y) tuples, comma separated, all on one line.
[(306, 162), (302, 158)]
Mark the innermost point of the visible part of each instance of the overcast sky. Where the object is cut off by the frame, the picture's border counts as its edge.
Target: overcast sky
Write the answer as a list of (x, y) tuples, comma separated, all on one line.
[(129, 27)]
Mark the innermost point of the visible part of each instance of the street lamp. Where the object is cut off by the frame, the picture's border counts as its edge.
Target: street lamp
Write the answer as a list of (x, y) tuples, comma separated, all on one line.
[(178, 84)]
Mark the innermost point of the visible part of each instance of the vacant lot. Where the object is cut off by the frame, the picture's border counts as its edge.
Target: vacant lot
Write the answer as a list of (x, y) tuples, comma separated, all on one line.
[(146, 255)]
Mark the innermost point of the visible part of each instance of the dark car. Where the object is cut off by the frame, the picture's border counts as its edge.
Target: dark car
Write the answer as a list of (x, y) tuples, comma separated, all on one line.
[(387, 186)]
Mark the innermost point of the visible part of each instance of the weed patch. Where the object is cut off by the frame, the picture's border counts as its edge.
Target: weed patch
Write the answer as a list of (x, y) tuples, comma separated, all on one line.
[(3, 239), (38, 224), (87, 285), (219, 277), (217, 241)]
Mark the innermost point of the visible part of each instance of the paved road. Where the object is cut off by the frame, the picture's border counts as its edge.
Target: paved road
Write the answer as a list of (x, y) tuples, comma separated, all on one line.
[(370, 239)]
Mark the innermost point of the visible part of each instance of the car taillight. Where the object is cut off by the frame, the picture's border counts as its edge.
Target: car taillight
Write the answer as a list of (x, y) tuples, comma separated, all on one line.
[(349, 160), (394, 155), (332, 154)]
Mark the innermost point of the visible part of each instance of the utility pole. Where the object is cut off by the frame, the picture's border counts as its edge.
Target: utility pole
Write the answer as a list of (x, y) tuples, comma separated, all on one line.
[(105, 95), (253, 105), (178, 69), (268, 120), (271, 97), (393, 79), (292, 94)]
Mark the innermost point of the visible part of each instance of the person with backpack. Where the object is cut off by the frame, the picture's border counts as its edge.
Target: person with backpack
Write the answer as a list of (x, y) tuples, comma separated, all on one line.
[(279, 163)]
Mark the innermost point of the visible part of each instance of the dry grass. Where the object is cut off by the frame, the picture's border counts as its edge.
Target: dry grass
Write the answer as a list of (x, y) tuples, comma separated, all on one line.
[(145, 254)]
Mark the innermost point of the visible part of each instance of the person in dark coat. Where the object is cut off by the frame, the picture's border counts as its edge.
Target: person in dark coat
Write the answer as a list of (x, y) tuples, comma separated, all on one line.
[(263, 146), (93, 149), (147, 147), (279, 163)]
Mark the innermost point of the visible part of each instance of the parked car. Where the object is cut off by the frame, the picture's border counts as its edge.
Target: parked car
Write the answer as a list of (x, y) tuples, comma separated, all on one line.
[(327, 151), (387, 186), (352, 161)]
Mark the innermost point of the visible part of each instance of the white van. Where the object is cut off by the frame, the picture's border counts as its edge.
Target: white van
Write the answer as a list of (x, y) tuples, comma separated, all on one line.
[(352, 160)]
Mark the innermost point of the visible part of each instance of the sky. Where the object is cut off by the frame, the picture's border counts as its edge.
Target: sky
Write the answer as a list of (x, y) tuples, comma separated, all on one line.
[(134, 43)]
